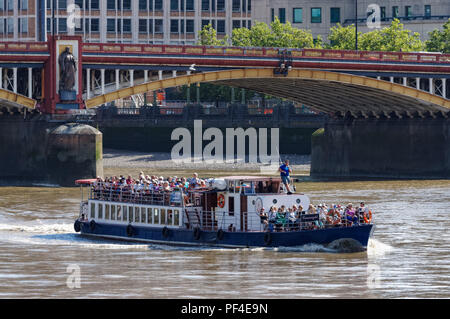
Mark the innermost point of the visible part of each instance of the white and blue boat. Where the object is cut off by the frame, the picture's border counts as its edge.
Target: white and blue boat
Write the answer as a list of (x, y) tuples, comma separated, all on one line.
[(227, 213)]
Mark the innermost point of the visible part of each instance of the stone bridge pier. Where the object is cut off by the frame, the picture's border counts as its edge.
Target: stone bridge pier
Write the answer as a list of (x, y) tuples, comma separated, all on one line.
[(382, 148)]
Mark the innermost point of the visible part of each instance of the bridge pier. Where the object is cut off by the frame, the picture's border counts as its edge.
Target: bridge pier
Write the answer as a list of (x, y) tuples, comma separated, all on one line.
[(38, 151), (382, 148)]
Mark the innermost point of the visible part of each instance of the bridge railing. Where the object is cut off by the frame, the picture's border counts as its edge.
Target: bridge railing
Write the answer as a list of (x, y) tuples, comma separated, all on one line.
[(189, 50)]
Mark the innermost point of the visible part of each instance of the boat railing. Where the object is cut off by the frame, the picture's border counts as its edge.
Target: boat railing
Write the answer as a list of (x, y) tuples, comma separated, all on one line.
[(252, 221), (142, 197)]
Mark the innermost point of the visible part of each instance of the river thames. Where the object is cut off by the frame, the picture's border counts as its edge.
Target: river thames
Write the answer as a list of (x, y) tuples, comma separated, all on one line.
[(408, 255)]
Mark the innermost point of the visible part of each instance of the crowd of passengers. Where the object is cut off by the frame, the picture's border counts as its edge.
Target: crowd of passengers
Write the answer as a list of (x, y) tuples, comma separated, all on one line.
[(147, 183), (322, 216)]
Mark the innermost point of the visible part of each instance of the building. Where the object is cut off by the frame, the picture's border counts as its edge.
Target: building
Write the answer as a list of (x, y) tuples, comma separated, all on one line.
[(319, 16), (125, 21), (178, 21)]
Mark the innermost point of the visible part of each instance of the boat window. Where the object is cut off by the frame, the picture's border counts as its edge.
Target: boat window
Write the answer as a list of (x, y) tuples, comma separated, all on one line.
[(176, 217), (113, 212), (231, 186), (230, 206), (169, 217), (125, 213), (130, 214), (155, 216), (149, 215), (136, 214), (106, 211), (100, 211), (163, 217), (92, 210), (143, 215), (119, 212)]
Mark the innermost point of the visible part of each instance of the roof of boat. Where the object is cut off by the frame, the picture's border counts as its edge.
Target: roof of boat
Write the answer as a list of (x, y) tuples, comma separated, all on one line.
[(87, 181), (251, 178)]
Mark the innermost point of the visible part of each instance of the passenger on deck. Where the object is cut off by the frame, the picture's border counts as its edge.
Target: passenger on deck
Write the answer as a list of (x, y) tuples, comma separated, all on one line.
[(264, 218), (350, 215), (285, 170)]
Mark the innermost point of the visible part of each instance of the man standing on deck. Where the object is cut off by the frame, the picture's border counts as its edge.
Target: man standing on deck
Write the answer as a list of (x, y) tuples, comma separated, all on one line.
[(284, 173)]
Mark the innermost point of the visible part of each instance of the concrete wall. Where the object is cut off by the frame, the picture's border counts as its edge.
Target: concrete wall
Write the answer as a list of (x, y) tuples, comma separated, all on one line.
[(388, 148)]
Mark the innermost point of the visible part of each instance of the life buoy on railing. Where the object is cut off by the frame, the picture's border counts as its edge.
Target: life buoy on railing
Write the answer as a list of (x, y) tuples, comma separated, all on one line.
[(220, 234), (197, 233), (92, 225), (368, 219), (336, 217), (221, 201), (130, 230), (77, 225), (165, 232)]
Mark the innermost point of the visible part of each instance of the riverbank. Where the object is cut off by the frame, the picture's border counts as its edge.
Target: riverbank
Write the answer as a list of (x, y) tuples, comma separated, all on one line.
[(154, 162)]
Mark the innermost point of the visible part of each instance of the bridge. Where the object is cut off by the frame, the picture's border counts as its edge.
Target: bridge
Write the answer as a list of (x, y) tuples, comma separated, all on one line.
[(359, 83)]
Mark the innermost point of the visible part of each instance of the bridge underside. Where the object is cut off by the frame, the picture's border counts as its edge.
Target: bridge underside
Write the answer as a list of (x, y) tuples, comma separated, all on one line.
[(328, 92), (334, 97)]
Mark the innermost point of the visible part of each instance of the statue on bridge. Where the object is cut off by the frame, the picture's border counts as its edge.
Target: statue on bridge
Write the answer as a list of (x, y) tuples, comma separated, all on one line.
[(68, 68)]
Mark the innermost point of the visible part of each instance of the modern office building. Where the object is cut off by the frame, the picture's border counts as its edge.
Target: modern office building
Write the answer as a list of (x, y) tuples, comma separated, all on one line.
[(178, 21)]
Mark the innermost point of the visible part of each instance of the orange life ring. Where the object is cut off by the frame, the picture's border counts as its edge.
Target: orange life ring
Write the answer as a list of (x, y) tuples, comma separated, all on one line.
[(368, 220), (221, 201), (332, 213)]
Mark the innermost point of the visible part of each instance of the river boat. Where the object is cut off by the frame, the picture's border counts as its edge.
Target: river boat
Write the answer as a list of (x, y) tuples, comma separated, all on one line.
[(230, 212)]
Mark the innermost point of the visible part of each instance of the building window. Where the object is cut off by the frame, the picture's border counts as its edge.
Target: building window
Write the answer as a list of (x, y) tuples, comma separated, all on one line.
[(159, 26), (297, 15), (282, 15), (95, 4), (383, 13), (111, 25), (126, 25), (23, 5), (316, 15), (95, 25), (2, 22), (143, 25), (174, 26), (190, 26), (335, 15), (79, 3), (408, 11), (220, 5), (272, 14), (62, 4), (190, 5), (111, 4), (236, 24), (126, 4), (236, 6), (62, 25), (427, 11), (220, 26), (205, 23), (395, 11), (23, 25), (174, 5), (158, 5), (205, 5), (143, 4)]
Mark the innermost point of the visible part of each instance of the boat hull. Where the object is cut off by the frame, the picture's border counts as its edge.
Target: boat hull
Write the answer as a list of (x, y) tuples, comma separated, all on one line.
[(177, 236)]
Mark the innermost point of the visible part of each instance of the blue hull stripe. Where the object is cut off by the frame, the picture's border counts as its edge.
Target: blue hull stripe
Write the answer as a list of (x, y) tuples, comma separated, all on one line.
[(176, 236)]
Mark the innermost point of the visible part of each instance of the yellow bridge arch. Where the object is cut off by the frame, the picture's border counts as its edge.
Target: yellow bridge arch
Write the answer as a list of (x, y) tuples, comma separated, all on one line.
[(11, 99), (325, 91)]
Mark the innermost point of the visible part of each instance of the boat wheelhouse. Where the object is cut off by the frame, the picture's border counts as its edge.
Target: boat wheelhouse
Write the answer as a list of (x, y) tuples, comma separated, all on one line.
[(229, 212)]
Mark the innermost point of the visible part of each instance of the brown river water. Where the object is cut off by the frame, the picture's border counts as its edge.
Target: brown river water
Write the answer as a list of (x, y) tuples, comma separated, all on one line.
[(408, 256)]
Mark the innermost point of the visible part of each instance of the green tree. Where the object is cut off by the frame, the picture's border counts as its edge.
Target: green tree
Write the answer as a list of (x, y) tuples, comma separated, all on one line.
[(280, 35), (392, 38), (208, 36), (439, 40)]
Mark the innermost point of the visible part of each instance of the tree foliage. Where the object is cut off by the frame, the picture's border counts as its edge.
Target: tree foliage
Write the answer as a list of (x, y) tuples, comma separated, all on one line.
[(439, 40), (392, 38)]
